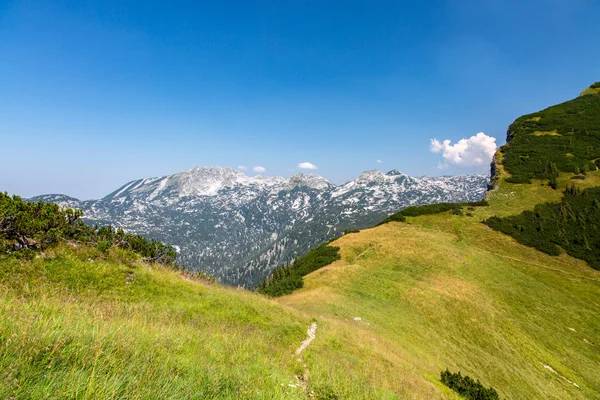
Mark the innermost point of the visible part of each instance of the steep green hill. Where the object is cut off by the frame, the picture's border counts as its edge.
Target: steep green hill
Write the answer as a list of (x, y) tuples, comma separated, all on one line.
[(561, 138), (573, 224), (404, 302)]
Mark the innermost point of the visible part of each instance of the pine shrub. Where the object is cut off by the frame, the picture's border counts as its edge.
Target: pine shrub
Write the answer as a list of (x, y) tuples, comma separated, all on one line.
[(428, 209), (287, 278), (573, 144), (573, 224), (467, 387), (27, 227)]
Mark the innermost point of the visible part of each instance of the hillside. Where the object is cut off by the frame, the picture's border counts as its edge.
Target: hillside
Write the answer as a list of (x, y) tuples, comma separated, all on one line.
[(445, 290), (405, 301)]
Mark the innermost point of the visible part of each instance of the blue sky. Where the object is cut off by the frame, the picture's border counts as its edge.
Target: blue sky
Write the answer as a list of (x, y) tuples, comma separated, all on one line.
[(97, 93)]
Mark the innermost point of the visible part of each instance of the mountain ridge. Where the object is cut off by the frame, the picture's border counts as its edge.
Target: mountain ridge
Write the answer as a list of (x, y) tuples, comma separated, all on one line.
[(266, 180), (239, 228)]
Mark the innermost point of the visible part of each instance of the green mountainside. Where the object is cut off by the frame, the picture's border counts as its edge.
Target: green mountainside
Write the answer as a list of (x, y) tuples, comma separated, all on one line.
[(573, 148), (562, 138), (399, 310)]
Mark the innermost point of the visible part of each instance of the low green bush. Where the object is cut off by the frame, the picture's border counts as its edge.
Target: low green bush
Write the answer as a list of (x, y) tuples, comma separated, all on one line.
[(457, 211), (427, 209), (467, 387), (573, 224), (518, 179), (103, 246)]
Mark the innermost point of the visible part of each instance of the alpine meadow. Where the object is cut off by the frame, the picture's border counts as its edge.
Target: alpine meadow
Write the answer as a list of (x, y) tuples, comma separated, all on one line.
[(476, 298)]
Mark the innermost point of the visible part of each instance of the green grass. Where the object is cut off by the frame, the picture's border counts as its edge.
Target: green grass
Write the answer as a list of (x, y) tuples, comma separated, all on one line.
[(119, 328), (441, 292), (448, 292), (404, 302), (79, 323)]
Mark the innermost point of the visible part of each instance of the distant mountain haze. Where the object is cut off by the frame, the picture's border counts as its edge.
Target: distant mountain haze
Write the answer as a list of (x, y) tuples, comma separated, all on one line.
[(239, 228)]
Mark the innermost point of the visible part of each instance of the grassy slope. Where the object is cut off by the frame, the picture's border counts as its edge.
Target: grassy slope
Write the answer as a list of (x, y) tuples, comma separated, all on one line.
[(118, 328), (446, 291), (591, 90)]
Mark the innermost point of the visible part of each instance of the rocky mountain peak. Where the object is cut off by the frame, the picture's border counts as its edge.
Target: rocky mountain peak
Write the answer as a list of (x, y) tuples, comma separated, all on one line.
[(206, 181), (267, 180), (374, 175), (394, 172), (312, 181)]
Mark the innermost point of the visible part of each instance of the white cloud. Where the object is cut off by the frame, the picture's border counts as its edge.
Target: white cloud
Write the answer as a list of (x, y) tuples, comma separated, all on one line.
[(242, 167), (474, 151), (379, 161), (306, 165), (259, 169)]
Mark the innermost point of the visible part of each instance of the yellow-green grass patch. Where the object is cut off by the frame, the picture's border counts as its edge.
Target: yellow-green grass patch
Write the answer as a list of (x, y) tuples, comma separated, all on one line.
[(546, 133), (590, 91)]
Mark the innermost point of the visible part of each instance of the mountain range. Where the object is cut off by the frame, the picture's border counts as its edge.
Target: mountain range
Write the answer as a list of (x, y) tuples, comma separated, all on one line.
[(239, 228)]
